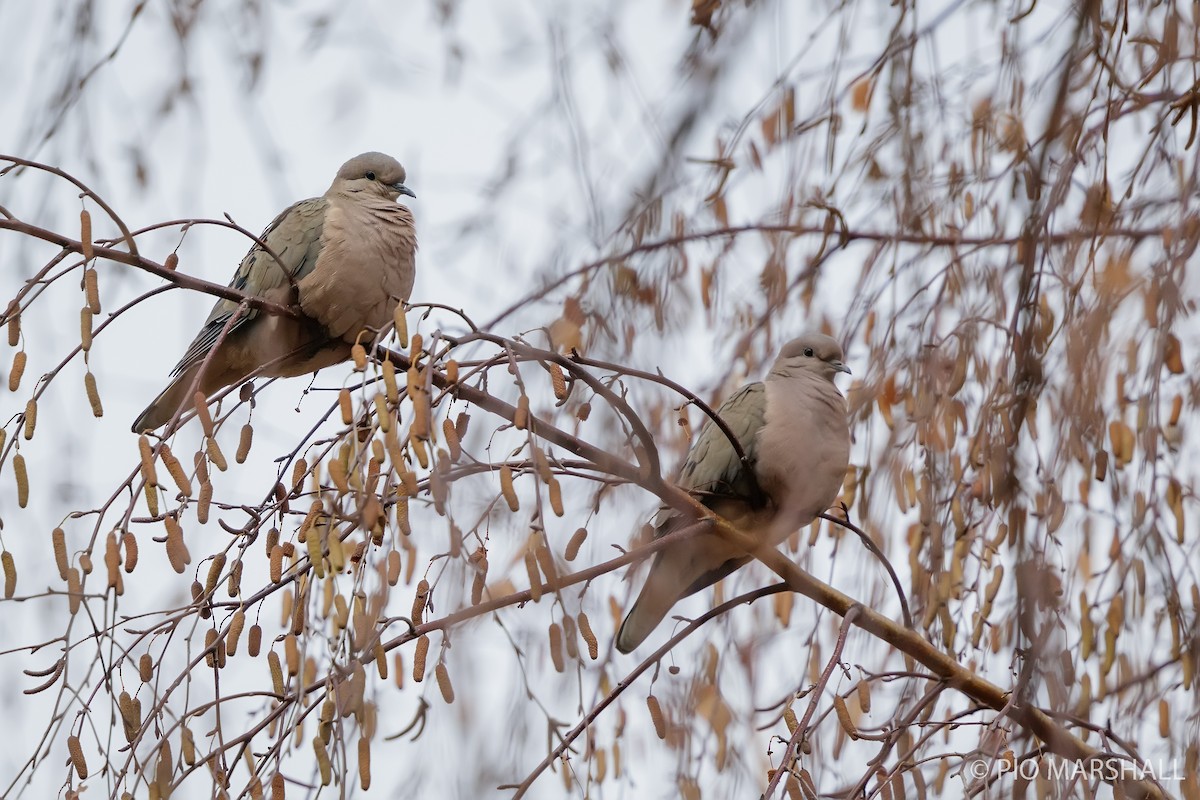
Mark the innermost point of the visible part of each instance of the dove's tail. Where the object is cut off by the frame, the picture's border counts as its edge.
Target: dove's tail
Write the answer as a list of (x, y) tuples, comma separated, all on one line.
[(163, 407)]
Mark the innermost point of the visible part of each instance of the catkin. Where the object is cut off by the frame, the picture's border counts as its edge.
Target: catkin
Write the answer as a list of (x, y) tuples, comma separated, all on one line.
[(450, 436), (202, 412), (10, 574), (86, 246), (244, 441), (401, 322), (85, 329), (204, 502), (506, 488), (58, 540), (93, 394), (656, 715), (146, 668), (452, 372), (346, 405), (535, 580), (278, 785), (215, 455), (556, 502), (22, 478), (359, 354), (214, 574), (843, 715), (129, 543), (419, 600), (14, 323), (151, 499), (172, 262), (558, 381), (556, 647), (393, 567), (419, 656), (210, 645), (30, 418), (112, 561), (364, 762), (381, 413), (391, 390), (575, 543), (864, 696), (234, 633), (77, 761), (235, 579), (187, 745), (177, 551), (18, 369), (443, 681), (521, 417), (276, 672), (149, 474), (91, 289), (74, 590), (323, 765), (589, 636), (254, 641)]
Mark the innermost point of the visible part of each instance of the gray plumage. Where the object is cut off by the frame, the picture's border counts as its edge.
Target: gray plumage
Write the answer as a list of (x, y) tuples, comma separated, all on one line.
[(793, 430), (347, 258)]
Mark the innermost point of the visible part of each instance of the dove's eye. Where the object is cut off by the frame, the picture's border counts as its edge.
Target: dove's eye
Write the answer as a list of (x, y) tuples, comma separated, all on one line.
[(808, 351), (370, 176)]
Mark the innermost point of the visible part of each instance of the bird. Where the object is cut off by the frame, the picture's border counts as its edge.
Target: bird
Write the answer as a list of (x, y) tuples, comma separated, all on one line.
[(346, 258), (793, 429)]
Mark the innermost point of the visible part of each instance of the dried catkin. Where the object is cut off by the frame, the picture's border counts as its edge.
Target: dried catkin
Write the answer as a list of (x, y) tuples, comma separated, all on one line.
[(556, 502), (585, 629), (215, 455), (13, 312), (91, 289), (419, 600), (58, 540), (443, 681), (177, 551), (323, 765), (149, 474), (77, 761), (364, 762), (419, 656), (18, 369), (245, 440), (254, 641), (93, 394), (234, 633), (575, 543), (129, 543), (214, 574), (86, 246), (10, 574), (521, 417), (656, 715), (74, 590), (556, 647), (506, 488), (146, 668), (22, 479), (558, 381), (30, 418), (202, 413), (85, 329)]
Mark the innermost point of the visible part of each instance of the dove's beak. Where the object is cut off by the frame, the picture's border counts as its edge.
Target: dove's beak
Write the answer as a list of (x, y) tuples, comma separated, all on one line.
[(838, 366), (402, 189)]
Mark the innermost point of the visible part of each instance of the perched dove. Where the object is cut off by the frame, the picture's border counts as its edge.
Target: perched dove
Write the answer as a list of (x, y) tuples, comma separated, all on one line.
[(793, 430), (347, 259)]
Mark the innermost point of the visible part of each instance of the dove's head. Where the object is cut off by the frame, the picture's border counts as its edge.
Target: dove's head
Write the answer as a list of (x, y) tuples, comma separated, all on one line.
[(376, 174), (810, 353)]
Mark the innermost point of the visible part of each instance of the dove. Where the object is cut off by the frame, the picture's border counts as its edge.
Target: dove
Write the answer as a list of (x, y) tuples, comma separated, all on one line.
[(345, 258), (793, 429)]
